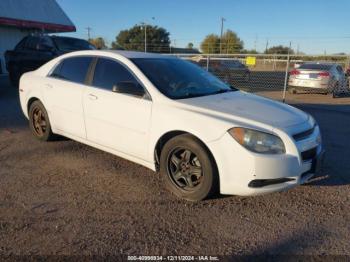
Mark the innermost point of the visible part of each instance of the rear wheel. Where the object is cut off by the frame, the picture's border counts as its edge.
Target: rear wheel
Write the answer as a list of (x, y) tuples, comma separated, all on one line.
[(335, 90), (188, 168), (292, 91), (39, 122)]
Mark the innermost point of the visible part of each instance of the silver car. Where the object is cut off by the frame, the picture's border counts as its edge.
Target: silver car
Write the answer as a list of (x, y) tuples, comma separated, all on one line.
[(316, 77)]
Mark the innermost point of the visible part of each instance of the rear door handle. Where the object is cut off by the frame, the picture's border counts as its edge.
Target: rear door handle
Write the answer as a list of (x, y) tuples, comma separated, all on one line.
[(48, 86), (92, 97)]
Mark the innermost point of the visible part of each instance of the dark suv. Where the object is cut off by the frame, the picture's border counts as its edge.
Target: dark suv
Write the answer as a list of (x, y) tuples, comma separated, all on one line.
[(34, 51)]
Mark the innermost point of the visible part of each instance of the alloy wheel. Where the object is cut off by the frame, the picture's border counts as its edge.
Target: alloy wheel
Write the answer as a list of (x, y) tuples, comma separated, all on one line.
[(185, 169)]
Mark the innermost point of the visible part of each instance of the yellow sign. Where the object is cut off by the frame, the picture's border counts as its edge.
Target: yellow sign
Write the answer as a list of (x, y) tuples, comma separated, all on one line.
[(251, 60)]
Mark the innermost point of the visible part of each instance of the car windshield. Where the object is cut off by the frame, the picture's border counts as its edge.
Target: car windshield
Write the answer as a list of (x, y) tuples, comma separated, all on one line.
[(72, 44), (233, 63), (316, 66), (179, 79)]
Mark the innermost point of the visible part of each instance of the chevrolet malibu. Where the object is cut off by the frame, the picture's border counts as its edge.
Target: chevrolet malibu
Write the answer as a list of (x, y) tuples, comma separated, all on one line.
[(167, 114)]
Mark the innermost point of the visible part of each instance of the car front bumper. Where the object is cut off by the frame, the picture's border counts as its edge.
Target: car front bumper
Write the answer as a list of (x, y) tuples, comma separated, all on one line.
[(246, 173)]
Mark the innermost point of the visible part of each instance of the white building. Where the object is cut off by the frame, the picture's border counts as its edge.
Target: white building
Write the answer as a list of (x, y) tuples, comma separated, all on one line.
[(19, 18)]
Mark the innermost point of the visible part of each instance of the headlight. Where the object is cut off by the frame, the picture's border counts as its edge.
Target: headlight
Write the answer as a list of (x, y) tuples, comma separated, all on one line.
[(257, 141)]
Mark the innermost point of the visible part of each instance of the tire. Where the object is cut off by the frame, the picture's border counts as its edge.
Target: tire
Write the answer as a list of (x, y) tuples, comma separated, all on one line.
[(292, 91), (39, 122), (192, 176), (335, 90)]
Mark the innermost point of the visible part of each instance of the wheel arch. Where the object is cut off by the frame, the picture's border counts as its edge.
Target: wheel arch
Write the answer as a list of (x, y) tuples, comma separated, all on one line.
[(31, 101), (171, 134)]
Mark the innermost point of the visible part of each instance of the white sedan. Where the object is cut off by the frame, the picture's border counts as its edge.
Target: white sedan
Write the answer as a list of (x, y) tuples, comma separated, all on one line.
[(172, 116)]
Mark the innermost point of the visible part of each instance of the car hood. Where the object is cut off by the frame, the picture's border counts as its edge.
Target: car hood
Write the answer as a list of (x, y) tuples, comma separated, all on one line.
[(240, 105)]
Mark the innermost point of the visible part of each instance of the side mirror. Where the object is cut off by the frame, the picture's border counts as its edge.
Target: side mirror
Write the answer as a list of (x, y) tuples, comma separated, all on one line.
[(130, 88)]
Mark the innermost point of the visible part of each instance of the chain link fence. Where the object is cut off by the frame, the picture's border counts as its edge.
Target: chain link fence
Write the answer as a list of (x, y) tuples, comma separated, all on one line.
[(261, 72)]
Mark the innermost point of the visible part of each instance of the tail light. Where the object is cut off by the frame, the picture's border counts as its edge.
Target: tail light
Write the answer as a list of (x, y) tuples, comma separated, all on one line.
[(323, 74), (294, 72)]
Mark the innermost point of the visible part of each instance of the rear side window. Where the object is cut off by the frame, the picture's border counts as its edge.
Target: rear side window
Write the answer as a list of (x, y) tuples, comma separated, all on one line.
[(72, 69), (109, 73), (340, 69), (316, 66), (32, 42)]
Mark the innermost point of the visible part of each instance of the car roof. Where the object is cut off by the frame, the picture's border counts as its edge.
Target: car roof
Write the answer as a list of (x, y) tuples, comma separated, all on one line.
[(135, 54)]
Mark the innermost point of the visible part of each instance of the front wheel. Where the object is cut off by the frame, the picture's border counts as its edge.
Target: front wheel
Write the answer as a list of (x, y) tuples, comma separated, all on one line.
[(39, 122), (188, 168)]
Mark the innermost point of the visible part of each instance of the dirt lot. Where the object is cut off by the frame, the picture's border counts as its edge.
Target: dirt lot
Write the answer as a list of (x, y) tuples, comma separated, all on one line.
[(67, 198)]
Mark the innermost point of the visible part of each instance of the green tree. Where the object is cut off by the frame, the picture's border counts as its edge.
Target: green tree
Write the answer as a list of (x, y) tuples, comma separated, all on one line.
[(280, 50), (98, 42), (249, 51), (190, 45), (211, 44), (231, 43), (134, 39)]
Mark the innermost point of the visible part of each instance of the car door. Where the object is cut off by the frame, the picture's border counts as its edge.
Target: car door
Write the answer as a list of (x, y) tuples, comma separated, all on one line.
[(63, 91), (341, 75), (116, 120), (28, 55), (44, 51)]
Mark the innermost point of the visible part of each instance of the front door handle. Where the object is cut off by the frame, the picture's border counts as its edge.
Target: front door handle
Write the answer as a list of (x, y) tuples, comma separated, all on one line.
[(92, 97), (48, 86)]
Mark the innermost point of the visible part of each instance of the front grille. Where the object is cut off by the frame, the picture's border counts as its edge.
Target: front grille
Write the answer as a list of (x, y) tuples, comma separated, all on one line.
[(309, 154), (304, 134)]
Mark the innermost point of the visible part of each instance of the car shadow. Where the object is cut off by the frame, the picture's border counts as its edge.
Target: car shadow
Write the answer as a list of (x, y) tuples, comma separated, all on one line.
[(289, 247)]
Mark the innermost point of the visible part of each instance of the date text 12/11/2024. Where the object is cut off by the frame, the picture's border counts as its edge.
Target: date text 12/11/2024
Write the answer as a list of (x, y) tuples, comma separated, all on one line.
[(173, 258)]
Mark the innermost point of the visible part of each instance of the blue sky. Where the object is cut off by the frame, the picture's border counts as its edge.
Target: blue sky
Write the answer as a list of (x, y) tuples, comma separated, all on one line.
[(316, 26)]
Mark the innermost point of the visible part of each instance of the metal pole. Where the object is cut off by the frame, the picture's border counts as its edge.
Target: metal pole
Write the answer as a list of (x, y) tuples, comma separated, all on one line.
[(145, 37), (88, 31), (286, 75), (222, 31), (208, 63)]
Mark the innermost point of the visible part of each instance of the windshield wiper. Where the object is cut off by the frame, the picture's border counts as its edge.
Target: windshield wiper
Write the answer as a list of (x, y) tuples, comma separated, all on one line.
[(220, 91)]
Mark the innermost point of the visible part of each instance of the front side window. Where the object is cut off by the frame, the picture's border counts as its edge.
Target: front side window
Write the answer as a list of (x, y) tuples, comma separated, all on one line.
[(21, 44), (178, 79), (109, 73), (315, 67), (72, 69), (32, 42), (72, 44), (47, 42)]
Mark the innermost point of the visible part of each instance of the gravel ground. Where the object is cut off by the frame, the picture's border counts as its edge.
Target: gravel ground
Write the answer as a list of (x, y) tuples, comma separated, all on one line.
[(66, 198)]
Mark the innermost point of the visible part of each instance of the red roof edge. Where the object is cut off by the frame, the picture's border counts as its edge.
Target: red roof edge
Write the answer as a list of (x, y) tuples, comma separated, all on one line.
[(37, 25)]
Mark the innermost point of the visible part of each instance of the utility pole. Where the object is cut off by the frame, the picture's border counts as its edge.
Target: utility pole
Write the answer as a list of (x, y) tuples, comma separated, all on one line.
[(145, 25), (255, 42), (286, 73), (88, 32), (145, 28), (222, 31), (267, 45)]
